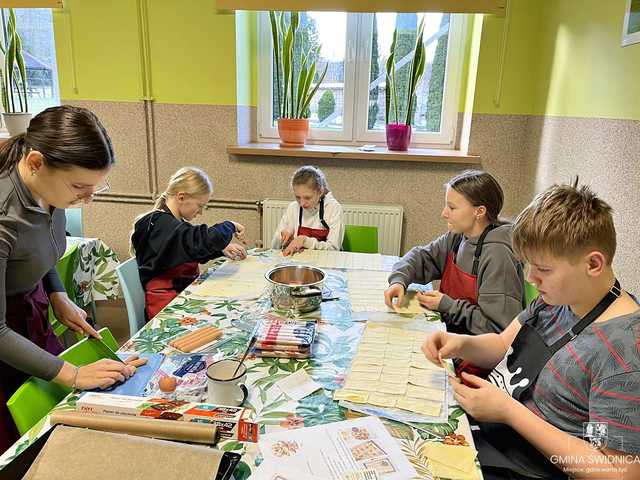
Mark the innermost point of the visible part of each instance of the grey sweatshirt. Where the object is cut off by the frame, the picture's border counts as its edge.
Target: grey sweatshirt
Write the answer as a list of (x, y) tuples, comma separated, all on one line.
[(500, 281), (31, 242)]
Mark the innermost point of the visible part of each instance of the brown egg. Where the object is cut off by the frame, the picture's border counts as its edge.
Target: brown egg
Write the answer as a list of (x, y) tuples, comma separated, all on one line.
[(168, 384)]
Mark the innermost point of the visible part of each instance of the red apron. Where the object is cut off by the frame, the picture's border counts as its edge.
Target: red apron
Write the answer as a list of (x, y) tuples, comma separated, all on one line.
[(161, 290), (461, 285), (320, 234), (28, 315)]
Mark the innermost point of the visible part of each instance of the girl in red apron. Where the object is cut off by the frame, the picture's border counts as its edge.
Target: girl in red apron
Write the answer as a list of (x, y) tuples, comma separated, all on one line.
[(481, 283), (168, 248), (314, 220), (62, 159)]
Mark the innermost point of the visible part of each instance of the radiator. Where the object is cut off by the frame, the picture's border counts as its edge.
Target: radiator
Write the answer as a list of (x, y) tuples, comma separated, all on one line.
[(388, 219)]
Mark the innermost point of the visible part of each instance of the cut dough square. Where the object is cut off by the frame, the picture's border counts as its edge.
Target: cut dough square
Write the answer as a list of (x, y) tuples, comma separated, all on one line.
[(365, 367), (364, 376), (428, 381), (359, 385), (395, 370), (393, 388), (373, 340), (401, 379), (370, 359), (370, 349), (425, 393), (375, 327), (418, 360), (425, 407), (382, 400), (351, 395), (395, 362)]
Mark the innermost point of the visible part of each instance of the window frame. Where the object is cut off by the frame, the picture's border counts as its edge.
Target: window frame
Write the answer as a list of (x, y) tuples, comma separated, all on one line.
[(55, 76), (356, 92)]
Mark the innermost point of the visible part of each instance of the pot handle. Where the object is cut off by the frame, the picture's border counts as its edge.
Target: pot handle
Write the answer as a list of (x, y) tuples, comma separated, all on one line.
[(306, 293)]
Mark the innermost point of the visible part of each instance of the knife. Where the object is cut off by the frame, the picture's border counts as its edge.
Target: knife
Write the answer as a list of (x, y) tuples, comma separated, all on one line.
[(103, 349)]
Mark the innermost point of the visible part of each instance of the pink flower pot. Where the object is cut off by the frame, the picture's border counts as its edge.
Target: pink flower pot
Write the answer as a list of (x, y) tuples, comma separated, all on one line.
[(398, 136)]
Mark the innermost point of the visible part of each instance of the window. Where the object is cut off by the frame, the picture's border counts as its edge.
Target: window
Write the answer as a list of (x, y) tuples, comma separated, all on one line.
[(349, 106), (35, 27)]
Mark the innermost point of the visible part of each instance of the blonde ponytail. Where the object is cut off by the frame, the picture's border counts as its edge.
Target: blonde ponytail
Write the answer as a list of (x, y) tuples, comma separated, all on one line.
[(161, 201), (192, 181)]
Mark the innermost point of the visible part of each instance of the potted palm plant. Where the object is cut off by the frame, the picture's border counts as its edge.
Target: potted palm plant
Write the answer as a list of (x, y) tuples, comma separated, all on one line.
[(399, 132), (13, 80), (293, 79)]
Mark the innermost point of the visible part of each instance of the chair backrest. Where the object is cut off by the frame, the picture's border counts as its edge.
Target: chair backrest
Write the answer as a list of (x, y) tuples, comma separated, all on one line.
[(530, 292), (74, 221), (360, 238), (133, 294), (35, 398), (65, 266)]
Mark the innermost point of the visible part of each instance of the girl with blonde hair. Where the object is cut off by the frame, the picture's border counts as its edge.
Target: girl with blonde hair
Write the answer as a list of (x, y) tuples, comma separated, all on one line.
[(168, 247), (314, 220)]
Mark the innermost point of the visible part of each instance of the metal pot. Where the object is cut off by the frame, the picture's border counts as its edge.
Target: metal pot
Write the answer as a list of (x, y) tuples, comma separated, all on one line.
[(295, 287)]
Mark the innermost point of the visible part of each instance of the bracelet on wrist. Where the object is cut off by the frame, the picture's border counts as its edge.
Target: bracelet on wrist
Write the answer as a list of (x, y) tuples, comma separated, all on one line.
[(75, 378)]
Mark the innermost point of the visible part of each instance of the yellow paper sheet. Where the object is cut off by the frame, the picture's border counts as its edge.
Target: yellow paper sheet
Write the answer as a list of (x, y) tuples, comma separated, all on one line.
[(455, 462)]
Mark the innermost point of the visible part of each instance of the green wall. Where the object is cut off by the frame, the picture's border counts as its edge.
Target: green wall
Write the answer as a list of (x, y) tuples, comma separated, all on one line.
[(192, 51), (588, 73), (520, 73), (563, 58), (246, 58), (99, 40)]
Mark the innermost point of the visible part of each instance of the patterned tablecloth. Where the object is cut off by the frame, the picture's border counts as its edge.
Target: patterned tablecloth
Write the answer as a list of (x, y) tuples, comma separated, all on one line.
[(338, 332), (94, 273)]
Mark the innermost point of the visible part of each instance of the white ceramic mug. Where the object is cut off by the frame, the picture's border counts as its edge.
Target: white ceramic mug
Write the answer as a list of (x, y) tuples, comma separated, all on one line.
[(223, 387)]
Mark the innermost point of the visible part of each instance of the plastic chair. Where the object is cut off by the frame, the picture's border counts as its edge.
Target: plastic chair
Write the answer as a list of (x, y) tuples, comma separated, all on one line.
[(530, 292), (360, 238), (133, 294), (36, 397), (65, 266), (74, 221)]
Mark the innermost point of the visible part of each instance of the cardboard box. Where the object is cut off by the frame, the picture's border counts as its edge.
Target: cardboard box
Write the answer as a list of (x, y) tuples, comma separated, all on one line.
[(232, 422), (92, 460)]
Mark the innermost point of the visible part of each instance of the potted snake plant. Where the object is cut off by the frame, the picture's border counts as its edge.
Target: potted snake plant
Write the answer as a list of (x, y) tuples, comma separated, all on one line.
[(13, 80), (293, 86), (399, 130)]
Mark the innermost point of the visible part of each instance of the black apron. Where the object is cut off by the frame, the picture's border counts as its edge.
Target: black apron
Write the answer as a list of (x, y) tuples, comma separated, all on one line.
[(500, 448)]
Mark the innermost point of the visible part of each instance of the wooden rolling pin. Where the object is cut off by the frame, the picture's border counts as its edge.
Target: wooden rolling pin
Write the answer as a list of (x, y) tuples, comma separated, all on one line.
[(179, 341), (196, 339), (144, 427)]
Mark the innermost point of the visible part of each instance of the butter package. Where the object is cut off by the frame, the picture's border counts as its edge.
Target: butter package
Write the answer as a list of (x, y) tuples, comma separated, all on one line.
[(232, 422)]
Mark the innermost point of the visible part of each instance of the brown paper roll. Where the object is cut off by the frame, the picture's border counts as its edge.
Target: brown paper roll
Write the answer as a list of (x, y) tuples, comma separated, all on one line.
[(145, 427)]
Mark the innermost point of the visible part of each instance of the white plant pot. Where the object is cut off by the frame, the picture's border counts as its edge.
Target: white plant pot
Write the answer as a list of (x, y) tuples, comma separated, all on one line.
[(16, 123)]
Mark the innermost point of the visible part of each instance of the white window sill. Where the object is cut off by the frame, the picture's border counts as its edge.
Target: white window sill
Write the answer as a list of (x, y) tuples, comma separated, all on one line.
[(339, 151)]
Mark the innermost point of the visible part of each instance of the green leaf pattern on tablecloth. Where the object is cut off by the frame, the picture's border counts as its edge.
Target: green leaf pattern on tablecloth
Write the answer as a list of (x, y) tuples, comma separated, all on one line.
[(335, 346), (94, 273)]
